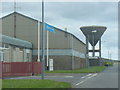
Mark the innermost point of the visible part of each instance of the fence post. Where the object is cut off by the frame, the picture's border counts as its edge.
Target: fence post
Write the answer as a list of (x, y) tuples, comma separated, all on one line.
[(2, 69), (32, 68)]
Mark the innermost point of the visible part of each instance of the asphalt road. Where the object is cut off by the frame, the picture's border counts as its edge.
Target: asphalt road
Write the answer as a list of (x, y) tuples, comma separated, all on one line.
[(106, 79)]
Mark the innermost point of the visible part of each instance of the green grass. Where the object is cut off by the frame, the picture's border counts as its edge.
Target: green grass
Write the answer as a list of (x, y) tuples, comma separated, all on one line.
[(34, 83), (83, 70)]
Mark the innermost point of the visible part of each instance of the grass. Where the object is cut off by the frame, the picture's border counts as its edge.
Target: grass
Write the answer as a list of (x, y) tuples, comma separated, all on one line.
[(0, 84), (34, 83), (93, 69)]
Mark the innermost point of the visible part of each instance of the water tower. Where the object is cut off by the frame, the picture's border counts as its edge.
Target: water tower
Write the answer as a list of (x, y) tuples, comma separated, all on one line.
[(93, 36)]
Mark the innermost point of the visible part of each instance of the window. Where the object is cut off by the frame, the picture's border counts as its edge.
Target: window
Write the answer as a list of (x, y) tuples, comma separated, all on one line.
[(28, 56), (5, 45), (21, 49)]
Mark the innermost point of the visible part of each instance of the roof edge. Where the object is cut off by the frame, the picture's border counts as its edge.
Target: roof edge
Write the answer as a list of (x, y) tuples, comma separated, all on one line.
[(41, 22)]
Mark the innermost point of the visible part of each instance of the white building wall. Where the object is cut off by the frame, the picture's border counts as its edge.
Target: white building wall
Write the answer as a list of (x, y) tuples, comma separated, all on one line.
[(17, 54), (6, 55), (27, 55)]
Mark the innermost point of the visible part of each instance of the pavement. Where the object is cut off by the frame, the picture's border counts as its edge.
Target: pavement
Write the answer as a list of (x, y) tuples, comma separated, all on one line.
[(106, 79)]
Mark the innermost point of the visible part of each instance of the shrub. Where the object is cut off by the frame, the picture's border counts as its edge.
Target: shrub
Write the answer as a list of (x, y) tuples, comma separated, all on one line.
[(108, 63)]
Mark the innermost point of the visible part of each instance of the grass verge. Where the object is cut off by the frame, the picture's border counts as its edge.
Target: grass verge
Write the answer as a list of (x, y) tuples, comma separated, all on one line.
[(93, 69), (34, 83)]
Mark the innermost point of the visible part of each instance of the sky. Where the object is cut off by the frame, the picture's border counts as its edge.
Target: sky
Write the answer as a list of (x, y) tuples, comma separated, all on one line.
[(73, 15)]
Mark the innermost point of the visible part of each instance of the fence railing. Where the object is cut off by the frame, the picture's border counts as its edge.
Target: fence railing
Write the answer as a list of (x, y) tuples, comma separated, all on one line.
[(19, 68)]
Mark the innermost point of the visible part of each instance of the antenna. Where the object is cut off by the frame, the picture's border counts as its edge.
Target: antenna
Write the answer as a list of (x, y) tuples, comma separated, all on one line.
[(15, 18), (14, 5)]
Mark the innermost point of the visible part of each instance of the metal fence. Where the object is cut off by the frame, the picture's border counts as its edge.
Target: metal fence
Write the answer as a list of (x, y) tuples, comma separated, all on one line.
[(19, 68)]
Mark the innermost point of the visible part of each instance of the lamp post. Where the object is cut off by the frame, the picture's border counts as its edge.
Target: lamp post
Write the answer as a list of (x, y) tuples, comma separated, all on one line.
[(43, 56)]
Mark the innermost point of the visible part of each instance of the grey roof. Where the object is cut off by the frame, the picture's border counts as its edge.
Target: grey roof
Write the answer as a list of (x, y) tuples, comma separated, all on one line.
[(41, 22), (88, 32), (15, 41)]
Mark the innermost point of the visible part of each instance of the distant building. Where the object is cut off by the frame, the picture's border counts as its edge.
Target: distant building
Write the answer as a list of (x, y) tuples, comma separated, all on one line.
[(66, 50), (15, 50)]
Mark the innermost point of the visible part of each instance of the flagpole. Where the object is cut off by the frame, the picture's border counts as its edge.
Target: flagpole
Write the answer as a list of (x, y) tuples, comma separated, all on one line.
[(47, 50), (43, 67), (38, 42)]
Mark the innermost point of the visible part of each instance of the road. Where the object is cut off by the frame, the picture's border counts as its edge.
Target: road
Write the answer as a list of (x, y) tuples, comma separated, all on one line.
[(106, 79)]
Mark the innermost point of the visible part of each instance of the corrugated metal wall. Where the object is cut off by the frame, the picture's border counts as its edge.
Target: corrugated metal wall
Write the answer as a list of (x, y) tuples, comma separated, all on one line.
[(26, 29)]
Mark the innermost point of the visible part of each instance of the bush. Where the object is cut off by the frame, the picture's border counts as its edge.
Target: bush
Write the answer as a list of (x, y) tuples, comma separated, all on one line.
[(108, 63)]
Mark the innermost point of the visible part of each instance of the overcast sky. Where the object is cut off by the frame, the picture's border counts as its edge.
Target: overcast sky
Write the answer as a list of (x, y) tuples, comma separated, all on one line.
[(73, 15)]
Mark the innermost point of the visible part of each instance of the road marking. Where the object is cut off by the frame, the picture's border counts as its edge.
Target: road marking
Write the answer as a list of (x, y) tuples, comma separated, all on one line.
[(93, 75), (86, 78), (86, 75), (80, 83), (83, 77), (89, 75)]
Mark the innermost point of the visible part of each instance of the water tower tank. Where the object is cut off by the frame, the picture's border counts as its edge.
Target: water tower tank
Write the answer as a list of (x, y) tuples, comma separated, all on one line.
[(93, 31)]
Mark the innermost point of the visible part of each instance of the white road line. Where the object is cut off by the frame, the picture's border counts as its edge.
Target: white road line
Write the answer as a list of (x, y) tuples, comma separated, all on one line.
[(83, 77), (80, 83), (86, 78), (89, 75), (93, 75), (86, 75)]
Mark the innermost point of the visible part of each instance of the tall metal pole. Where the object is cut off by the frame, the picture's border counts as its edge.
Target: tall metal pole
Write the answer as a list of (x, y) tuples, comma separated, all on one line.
[(38, 42), (43, 65), (47, 50)]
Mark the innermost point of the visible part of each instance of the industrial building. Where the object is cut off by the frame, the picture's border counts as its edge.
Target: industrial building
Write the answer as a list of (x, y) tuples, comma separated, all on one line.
[(15, 50), (66, 50)]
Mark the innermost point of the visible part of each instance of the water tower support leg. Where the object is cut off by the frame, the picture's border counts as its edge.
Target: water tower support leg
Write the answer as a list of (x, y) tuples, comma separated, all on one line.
[(100, 52), (87, 51)]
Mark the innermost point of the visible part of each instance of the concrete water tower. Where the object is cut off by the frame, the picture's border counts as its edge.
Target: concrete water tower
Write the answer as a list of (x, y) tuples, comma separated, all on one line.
[(93, 35)]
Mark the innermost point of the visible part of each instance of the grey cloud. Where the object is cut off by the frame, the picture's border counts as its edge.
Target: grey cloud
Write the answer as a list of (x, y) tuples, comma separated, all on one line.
[(84, 11)]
